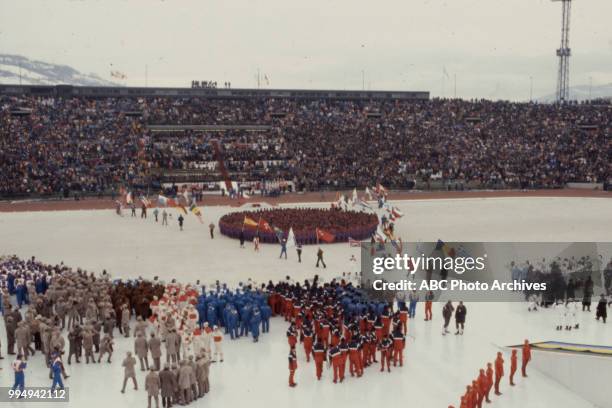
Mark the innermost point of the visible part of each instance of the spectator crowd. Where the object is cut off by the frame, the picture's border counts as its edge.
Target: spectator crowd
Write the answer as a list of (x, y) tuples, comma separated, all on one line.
[(93, 145)]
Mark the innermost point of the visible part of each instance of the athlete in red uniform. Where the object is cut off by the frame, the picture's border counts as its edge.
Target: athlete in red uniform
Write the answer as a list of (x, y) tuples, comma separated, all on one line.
[(385, 354), (483, 386), (489, 381), (354, 358), (403, 318), (335, 358), (292, 336), (499, 371), (513, 365), (319, 358), (292, 367), (399, 342), (307, 333), (344, 350), (526, 357)]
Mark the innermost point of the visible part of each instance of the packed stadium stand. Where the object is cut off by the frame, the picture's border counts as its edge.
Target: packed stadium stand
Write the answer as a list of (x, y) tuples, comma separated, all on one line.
[(58, 140)]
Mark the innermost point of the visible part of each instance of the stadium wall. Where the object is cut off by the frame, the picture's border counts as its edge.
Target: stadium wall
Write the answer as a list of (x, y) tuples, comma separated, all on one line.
[(571, 369), (211, 93)]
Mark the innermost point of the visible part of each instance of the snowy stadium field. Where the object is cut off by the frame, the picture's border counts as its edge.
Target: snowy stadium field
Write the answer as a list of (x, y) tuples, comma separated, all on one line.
[(436, 368)]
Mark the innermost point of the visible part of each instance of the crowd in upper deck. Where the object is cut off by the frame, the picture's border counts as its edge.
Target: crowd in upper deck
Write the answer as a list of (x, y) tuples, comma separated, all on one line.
[(53, 145)]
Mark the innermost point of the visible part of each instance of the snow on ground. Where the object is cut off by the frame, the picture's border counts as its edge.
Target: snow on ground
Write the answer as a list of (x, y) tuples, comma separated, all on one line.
[(437, 367), (131, 247)]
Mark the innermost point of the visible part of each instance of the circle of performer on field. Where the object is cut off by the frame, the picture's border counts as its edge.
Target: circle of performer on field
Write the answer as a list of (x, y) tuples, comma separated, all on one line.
[(305, 223)]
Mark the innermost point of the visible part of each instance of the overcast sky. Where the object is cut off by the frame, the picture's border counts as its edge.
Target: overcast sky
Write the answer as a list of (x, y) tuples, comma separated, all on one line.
[(491, 46)]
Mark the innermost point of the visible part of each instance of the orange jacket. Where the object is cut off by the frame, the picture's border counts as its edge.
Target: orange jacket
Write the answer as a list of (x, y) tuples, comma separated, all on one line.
[(513, 360), (526, 352), (489, 377), (499, 367)]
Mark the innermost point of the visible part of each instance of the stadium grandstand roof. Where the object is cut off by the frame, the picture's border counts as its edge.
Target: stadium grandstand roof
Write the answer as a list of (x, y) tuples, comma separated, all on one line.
[(212, 93)]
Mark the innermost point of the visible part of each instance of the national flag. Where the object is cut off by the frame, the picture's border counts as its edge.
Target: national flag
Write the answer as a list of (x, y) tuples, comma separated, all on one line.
[(364, 204), (280, 234), (186, 196), (324, 236), (145, 201), (336, 202), (249, 222), (291, 242), (396, 213), (342, 202), (264, 226), (196, 211), (380, 190), (172, 202), (354, 243)]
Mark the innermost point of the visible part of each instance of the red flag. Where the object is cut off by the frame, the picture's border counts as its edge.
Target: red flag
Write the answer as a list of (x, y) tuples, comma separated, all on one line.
[(264, 226), (325, 236)]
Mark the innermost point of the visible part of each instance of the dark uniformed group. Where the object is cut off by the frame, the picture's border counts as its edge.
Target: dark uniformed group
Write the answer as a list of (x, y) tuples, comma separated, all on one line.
[(62, 302)]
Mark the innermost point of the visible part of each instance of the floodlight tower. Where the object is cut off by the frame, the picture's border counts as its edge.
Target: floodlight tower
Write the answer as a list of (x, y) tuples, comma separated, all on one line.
[(564, 52)]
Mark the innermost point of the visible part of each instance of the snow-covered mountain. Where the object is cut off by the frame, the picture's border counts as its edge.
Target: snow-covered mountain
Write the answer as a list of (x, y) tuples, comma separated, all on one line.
[(15, 69), (582, 92)]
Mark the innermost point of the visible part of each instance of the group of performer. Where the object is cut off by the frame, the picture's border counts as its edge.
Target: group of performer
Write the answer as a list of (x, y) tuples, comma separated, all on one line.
[(336, 323), (71, 317), (491, 376)]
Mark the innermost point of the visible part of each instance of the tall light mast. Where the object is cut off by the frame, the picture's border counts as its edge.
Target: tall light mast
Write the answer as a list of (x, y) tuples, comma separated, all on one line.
[(564, 52)]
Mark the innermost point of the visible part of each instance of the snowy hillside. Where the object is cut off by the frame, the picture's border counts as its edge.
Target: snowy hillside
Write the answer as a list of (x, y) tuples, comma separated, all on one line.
[(15, 69)]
